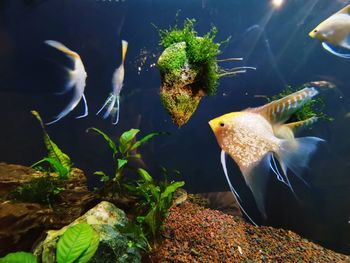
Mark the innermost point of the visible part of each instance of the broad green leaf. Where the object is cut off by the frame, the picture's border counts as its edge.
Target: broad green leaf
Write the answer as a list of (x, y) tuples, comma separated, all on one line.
[(19, 257), (61, 170), (54, 151), (140, 219), (150, 220), (144, 140), (89, 253), (100, 173), (155, 190), (104, 179), (126, 139), (145, 175), (110, 142), (171, 189), (127, 136), (121, 163), (137, 156), (73, 243), (131, 188)]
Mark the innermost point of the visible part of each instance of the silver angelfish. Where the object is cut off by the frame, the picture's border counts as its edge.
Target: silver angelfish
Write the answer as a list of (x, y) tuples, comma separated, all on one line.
[(77, 81), (112, 102)]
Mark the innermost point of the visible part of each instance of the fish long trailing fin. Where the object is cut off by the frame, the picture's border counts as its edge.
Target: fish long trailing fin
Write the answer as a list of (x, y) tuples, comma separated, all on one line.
[(234, 192), (331, 50)]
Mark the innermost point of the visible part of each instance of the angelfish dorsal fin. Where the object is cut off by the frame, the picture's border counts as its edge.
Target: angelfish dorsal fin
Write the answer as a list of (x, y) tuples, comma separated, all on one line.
[(345, 10), (279, 111)]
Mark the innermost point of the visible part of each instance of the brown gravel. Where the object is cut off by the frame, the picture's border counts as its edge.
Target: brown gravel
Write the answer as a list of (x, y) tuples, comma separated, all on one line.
[(196, 234)]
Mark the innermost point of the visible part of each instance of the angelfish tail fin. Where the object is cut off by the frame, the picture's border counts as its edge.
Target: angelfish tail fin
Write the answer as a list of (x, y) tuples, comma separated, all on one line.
[(296, 153)]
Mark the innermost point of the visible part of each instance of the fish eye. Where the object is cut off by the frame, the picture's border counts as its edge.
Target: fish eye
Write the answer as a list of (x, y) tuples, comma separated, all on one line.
[(222, 124), (315, 31)]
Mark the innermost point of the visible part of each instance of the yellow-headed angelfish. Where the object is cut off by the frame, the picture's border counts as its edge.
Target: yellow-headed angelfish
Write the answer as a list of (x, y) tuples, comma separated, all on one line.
[(334, 31), (76, 79), (256, 137)]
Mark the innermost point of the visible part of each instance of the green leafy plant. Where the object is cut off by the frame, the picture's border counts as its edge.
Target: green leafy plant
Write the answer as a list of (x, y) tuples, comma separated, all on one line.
[(122, 151), (54, 166), (19, 257), (136, 236), (155, 200), (78, 244), (42, 190), (57, 160), (313, 108)]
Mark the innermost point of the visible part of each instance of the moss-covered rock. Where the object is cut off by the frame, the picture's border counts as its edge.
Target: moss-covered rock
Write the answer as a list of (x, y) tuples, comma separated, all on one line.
[(179, 92), (105, 218), (188, 69)]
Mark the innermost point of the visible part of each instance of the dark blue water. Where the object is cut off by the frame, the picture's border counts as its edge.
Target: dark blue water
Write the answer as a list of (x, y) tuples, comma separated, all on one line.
[(274, 41)]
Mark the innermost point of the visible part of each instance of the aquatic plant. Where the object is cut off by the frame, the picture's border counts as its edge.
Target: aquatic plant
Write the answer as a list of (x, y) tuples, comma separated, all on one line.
[(42, 190), (313, 108), (78, 244), (189, 69), (54, 166), (20, 256), (57, 160), (137, 237), (123, 150), (155, 200)]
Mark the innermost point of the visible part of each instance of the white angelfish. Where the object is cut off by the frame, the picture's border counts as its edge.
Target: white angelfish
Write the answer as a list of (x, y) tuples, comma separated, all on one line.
[(76, 82), (257, 138), (334, 31), (112, 102)]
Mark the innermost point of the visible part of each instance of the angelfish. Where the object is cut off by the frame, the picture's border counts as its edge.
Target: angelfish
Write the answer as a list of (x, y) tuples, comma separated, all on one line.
[(256, 138), (77, 80), (112, 102), (334, 31)]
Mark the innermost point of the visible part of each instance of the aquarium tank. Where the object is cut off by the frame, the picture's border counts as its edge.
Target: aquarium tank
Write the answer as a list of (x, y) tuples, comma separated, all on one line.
[(174, 131)]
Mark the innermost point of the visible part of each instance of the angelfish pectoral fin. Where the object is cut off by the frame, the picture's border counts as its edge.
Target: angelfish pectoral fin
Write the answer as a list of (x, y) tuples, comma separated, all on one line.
[(107, 102), (70, 83), (115, 112), (256, 177), (233, 190), (331, 50)]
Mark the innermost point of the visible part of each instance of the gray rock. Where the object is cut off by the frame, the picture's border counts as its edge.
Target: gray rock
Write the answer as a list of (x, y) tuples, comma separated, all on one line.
[(105, 218), (22, 224)]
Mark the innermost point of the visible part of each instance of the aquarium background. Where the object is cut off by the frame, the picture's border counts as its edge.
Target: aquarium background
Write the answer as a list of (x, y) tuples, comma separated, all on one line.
[(275, 41)]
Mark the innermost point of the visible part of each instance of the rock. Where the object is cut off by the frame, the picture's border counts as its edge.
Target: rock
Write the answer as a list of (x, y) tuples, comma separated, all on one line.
[(22, 223), (113, 247), (12, 176)]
